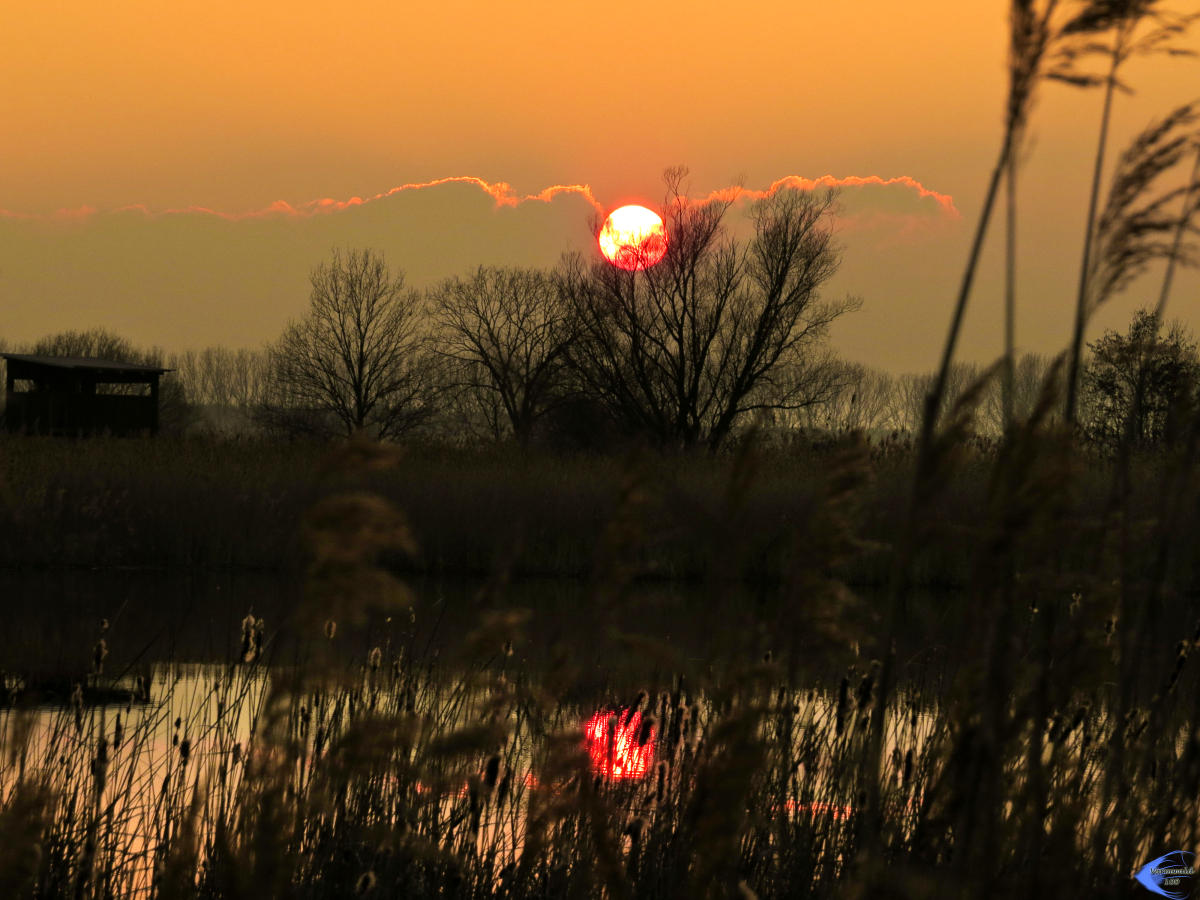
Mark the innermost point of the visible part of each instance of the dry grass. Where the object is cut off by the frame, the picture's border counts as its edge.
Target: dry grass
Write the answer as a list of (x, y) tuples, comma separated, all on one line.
[(194, 504), (1042, 736), (1035, 733)]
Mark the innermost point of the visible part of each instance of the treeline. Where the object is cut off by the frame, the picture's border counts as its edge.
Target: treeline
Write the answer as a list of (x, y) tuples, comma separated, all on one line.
[(235, 392), (722, 334)]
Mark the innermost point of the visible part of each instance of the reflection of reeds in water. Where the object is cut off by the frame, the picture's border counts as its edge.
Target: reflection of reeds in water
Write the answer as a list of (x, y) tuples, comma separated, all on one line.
[(1058, 719), (1044, 740), (414, 777)]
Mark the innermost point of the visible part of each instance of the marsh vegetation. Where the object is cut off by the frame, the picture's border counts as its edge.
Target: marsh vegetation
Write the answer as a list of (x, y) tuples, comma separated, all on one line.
[(751, 690)]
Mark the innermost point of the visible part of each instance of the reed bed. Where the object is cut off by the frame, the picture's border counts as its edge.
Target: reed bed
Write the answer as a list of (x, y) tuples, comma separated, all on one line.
[(209, 505), (1035, 733), (1041, 733)]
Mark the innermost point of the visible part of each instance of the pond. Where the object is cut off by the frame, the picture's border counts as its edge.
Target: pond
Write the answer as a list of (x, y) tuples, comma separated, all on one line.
[(507, 736)]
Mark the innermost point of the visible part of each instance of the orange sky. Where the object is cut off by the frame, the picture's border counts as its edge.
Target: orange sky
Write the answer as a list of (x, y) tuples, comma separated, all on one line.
[(233, 107)]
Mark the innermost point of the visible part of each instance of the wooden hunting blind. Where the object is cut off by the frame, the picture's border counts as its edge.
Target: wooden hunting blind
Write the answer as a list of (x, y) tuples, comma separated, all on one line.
[(58, 395)]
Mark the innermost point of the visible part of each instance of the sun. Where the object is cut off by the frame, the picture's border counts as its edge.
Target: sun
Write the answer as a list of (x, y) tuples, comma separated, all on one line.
[(633, 238)]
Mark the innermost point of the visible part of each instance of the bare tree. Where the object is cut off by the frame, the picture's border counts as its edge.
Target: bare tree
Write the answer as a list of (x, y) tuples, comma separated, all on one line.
[(94, 343), (357, 354), (1029, 372), (505, 332), (227, 388), (219, 376), (913, 390), (863, 401), (684, 350)]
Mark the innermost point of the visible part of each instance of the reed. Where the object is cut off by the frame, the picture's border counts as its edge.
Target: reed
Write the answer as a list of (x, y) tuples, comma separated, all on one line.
[(1036, 732)]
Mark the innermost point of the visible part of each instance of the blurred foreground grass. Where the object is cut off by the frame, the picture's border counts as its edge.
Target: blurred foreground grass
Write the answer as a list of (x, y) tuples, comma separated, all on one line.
[(1037, 734)]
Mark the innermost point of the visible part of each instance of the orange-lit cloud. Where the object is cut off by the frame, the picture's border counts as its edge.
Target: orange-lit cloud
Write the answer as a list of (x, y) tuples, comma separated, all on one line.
[(944, 201), (503, 195)]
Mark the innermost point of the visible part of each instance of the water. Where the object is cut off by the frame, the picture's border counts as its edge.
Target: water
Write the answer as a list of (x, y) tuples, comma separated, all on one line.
[(362, 728), (136, 768)]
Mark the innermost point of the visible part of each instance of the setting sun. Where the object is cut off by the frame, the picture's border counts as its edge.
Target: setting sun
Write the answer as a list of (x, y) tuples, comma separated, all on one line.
[(633, 238)]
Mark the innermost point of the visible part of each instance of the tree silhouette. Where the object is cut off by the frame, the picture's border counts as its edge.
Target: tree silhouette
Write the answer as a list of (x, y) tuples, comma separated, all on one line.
[(682, 351), (357, 353), (93, 343), (1134, 379), (505, 332)]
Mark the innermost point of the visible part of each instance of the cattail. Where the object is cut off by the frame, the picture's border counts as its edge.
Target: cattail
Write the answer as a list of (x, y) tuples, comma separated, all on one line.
[(365, 884), (634, 832), (375, 659), (248, 638), (1055, 730), (330, 628), (118, 731), (868, 684), (77, 703), (492, 772), (908, 769), (645, 732), (842, 707), (474, 801), (185, 750), (99, 652), (611, 740), (100, 765), (675, 732)]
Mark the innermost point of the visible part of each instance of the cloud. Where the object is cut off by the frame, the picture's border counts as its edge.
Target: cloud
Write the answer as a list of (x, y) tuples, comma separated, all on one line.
[(502, 194), (196, 276), (944, 201)]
